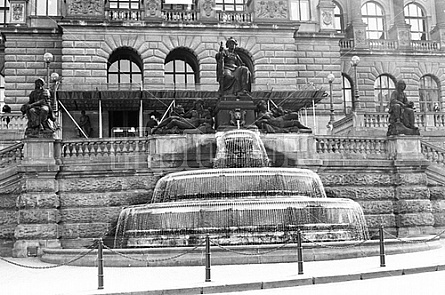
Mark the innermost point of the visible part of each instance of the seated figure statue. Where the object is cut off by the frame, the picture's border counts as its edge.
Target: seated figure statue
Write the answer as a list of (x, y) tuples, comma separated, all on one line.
[(38, 111), (278, 120), (233, 76), (401, 113)]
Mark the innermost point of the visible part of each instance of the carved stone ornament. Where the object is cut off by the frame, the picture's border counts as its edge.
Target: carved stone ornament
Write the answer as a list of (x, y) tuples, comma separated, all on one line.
[(403, 37), (271, 9), (85, 7), (327, 17), (207, 7), (359, 37), (17, 12), (153, 8)]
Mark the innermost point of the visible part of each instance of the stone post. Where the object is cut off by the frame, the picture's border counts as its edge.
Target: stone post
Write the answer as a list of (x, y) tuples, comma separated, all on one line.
[(438, 32), (400, 31), (357, 29), (412, 204), (38, 203)]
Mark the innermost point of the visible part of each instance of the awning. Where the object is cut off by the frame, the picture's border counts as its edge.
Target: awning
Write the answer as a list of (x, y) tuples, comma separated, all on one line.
[(161, 99)]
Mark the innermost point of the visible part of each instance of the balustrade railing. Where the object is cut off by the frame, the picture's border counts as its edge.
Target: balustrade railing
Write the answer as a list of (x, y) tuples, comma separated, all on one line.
[(234, 17), (433, 153), (13, 121), (180, 15), (124, 14), (11, 155), (382, 44), (376, 120), (346, 44), (93, 148), (424, 45), (349, 146)]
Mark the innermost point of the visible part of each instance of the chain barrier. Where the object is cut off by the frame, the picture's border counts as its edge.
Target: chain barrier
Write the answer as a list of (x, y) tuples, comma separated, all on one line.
[(336, 247), (93, 247), (414, 241), (252, 254), (153, 260)]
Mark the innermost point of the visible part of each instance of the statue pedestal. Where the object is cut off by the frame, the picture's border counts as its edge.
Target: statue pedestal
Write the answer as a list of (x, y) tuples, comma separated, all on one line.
[(38, 204), (228, 105)]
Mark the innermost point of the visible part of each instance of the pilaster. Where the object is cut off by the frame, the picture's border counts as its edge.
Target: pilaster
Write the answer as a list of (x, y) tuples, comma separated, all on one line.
[(326, 15)]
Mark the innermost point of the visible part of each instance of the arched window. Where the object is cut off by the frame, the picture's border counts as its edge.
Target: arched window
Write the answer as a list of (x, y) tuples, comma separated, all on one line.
[(415, 16), (384, 85), (373, 16), (429, 94), (338, 18), (181, 67), (347, 93), (124, 67)]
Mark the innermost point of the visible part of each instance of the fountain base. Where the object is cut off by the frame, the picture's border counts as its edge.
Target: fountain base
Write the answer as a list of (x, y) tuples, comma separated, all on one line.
[(233, 255)]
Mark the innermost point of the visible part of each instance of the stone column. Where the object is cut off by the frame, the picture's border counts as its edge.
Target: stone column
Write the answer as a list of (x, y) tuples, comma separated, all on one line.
[(412, 204), (400, 31), (438, 32), (38, 204), (357, 29)]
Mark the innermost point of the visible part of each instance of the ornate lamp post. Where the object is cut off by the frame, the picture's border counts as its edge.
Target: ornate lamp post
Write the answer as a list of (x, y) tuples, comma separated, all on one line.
[(355, 60), (331, 79), (48, 58)]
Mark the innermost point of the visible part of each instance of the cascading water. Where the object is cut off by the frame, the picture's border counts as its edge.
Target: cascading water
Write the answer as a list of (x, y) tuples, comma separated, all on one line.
[(241, 201)]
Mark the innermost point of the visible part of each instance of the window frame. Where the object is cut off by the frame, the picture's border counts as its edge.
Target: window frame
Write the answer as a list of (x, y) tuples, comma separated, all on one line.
[(347, 92), (297, 15), (420, 20), (46, 6), (380, 92), (4, 13), (373, 19), (135, 62), (188, 57), (428, 105)]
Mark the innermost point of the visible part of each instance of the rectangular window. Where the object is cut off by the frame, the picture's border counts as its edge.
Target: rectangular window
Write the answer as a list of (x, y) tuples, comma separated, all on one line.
[(300, 10), (46, 7), (4, 12)]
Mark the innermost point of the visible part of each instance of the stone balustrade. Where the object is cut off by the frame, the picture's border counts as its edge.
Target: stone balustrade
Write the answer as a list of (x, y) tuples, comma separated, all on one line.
[(13, 121), (433, 153), (357, 147), (11, 155)]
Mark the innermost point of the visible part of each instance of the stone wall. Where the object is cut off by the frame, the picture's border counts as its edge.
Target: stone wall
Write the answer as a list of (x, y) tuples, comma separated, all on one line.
[(64, 206)]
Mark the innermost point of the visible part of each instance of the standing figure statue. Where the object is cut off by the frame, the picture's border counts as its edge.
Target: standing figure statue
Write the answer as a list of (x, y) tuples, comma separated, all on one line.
[(233, 76), (85, 124), (39, 112), (401, 113)]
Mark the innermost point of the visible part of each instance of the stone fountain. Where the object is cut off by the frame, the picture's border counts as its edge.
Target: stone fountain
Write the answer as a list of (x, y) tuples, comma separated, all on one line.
[(242, 201)]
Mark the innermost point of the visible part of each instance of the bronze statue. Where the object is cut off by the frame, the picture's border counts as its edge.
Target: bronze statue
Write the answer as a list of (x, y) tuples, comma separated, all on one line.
[(85, 124), (197, 118), (39, 112), (233, 76), (278, 120), (401, 113)]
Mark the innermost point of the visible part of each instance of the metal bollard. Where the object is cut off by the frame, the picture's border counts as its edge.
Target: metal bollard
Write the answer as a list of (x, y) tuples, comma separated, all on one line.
[(382, 247), (100, 265), (299, 253), (207, 260)]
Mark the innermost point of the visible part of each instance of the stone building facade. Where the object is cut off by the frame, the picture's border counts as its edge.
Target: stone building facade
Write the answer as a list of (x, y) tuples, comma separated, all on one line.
[(293, 46)]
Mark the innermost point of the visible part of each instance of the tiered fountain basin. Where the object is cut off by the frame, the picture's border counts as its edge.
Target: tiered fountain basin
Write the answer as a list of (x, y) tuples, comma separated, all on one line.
[(250, 212)]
